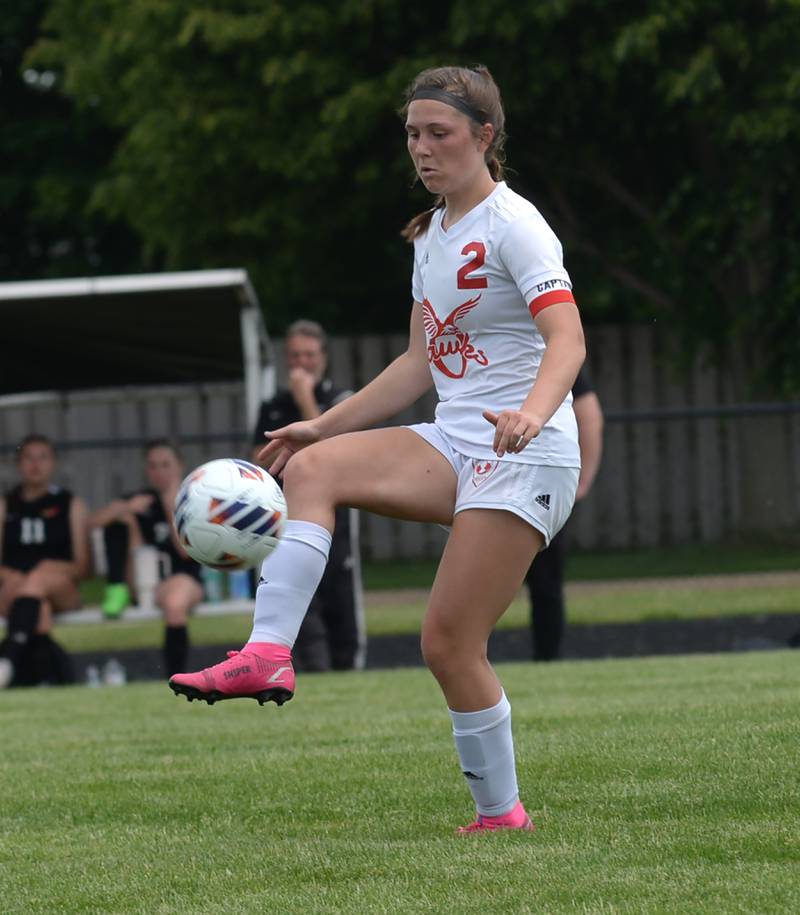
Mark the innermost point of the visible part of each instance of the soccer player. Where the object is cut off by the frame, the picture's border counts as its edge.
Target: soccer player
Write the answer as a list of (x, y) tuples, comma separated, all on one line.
[(333, 634), (495, 327), (44, 553), (145, 518)]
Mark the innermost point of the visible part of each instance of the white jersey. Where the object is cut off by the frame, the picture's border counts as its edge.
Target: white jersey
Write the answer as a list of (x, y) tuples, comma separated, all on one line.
[(481, 283)]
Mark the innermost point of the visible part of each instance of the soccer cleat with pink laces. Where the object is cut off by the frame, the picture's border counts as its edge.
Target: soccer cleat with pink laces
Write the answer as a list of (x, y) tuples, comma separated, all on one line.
[(259, 671), (517, 818)]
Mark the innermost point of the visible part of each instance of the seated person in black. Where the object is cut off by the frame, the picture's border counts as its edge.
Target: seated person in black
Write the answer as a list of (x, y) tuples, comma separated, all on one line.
[(144, 518), (44, 552)]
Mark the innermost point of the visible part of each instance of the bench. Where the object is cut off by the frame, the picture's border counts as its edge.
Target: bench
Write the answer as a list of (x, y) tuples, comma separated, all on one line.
[(141, 614)]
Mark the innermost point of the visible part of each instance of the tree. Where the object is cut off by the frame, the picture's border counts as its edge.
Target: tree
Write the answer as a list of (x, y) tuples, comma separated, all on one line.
[(253, 135), (54, 157), (659, 138), (677, 131)]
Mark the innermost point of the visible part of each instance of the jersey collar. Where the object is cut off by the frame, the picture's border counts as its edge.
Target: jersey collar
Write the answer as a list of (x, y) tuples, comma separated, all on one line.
[(469, 218)]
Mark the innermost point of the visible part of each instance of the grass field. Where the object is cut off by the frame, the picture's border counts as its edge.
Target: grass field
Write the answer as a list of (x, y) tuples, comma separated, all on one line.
[(653, 562), (605, 565), (611, 599), (608, 602), (659, 786)]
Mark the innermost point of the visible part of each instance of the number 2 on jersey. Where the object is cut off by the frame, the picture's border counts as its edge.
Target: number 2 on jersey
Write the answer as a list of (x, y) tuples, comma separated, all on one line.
[(465, 281)]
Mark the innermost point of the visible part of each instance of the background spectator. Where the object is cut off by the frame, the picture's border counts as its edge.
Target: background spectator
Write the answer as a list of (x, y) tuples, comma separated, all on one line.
[(144, 518), (44, 553), (333, 633), (545, 579)]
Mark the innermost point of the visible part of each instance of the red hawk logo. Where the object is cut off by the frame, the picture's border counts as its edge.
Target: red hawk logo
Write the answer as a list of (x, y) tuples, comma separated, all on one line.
[(449, 348), (481, 470)]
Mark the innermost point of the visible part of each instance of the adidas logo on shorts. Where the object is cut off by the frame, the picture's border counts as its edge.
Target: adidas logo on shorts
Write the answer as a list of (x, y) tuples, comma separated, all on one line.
[(543, 500)]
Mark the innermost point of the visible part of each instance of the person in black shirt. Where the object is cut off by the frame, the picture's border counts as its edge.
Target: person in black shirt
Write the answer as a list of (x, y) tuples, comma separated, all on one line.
[(545, 578), (145, 518), (332, 634), (44, 553)]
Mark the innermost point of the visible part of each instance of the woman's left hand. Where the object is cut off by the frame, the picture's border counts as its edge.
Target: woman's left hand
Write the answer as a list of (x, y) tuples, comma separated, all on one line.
[(285, 442), (513, 430)]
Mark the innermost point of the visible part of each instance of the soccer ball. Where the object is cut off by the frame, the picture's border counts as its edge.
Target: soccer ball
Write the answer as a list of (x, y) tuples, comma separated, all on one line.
[(229, 514)]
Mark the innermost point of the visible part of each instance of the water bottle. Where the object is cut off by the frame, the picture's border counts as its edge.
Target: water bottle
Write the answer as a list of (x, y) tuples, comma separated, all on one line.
[(239, 584), (93, 675), (213, 584), (114, 673), (145, 575)]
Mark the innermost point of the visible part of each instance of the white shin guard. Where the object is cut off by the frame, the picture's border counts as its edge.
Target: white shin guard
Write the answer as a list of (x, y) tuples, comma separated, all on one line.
[(289, 578), (486, 750)]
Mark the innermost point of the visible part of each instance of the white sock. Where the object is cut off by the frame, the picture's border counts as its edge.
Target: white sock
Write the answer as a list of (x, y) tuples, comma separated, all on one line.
[(290, 577), (486, 750)]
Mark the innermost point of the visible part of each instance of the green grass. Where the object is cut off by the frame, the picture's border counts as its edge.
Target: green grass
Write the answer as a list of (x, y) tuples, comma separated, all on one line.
[(604, 565), (605, 605), (659, 786), (616, 606), (690, 559)]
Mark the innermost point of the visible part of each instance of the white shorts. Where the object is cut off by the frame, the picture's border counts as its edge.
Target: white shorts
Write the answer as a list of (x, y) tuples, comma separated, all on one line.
[(538, 493)]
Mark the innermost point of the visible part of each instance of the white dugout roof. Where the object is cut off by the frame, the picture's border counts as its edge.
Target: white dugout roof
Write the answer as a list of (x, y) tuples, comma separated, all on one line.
[(159, 328)]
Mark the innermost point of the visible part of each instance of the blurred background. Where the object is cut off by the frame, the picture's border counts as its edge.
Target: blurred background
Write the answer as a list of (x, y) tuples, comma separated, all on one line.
[(660, 140)]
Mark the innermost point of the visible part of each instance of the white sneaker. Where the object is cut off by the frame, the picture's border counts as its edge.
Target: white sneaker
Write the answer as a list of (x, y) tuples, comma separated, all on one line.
[(6, 672)]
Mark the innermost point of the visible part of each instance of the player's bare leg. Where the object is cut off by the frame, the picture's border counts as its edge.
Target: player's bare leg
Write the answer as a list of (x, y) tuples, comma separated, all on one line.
[(392, 472), (10, 581), (29, 601), (482, 569), (56, 590), (176, 596), (481, 572)]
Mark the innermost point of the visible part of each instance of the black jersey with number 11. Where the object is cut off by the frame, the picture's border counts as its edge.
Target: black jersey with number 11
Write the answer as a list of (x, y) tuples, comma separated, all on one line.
[(37, 529)]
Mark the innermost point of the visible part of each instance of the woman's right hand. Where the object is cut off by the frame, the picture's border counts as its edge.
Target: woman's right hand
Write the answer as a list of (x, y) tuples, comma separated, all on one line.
[(285, 442)]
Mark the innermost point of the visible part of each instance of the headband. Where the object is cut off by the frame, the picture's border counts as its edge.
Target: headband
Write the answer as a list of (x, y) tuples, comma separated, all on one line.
[(449, 98)]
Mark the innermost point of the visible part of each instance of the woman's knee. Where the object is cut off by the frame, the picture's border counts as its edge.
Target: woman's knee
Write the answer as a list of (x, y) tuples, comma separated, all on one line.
[(176, 597), (174, 604), (306, 468), (176, 611), (447, 651), (434, 653), (34, 584)]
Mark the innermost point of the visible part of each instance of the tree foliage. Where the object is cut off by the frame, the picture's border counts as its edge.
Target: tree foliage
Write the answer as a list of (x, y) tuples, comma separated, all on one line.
[(659, 138), (54, 157)]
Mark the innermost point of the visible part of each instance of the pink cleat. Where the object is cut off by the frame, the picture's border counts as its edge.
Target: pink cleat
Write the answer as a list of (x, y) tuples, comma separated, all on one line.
[(514, 819), (259, 671)]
